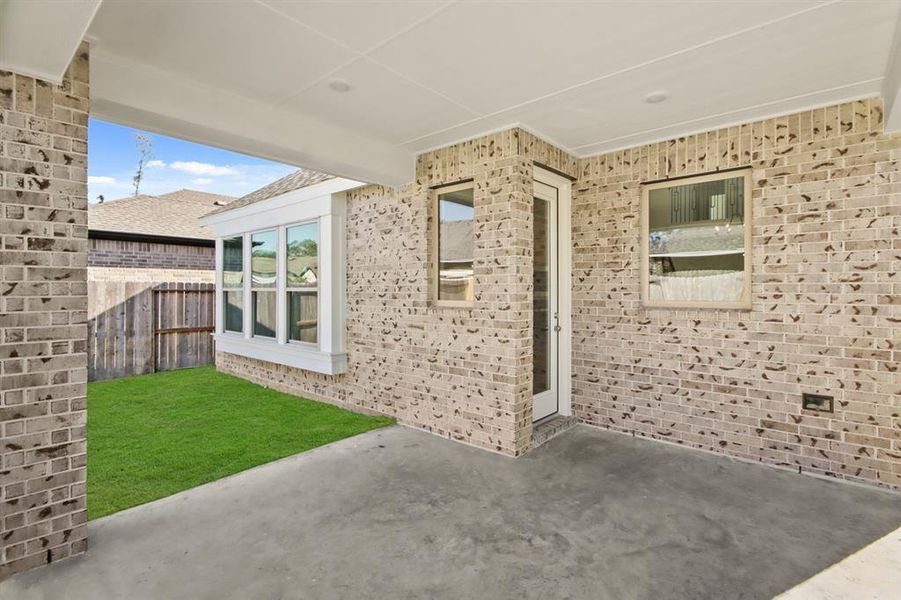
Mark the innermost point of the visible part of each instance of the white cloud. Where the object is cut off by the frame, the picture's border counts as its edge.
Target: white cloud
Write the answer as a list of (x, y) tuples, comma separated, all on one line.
[(199, 168), (101, 179), (155, 164), (202, 181)]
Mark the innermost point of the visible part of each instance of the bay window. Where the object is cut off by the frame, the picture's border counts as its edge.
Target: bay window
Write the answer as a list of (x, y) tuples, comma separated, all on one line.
[(280, 279)]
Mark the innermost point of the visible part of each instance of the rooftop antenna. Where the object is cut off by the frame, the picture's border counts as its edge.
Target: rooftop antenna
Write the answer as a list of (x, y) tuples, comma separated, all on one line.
[(100, 199)]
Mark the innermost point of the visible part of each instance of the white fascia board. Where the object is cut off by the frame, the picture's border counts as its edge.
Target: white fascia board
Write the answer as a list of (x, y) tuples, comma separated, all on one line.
[(137, 95), (291, 207), (38, 38)]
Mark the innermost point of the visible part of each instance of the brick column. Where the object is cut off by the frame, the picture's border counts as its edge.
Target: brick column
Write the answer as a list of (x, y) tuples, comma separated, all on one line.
[(43, 304)]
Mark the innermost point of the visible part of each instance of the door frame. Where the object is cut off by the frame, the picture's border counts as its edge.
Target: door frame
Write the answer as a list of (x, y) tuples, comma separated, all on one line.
[(564, 284)]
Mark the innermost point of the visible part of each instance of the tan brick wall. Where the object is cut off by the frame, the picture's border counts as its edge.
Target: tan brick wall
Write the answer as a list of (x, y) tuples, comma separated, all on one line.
[(826, 312), (43, 302), (460, 373)]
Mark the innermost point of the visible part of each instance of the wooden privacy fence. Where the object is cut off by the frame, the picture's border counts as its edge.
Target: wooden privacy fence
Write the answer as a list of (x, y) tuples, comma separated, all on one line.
[(136, 327)]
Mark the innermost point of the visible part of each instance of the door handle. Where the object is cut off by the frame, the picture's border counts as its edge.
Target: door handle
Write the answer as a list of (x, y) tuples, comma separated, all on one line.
[(557, 327)]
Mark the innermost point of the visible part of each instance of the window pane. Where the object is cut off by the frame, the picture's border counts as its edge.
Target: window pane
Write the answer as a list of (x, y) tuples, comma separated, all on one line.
[(303, 316), (264, 314), (541, 297), (455, 245), (262, 262), (303, 255), (232, 262), (696, 242), (234, 310)]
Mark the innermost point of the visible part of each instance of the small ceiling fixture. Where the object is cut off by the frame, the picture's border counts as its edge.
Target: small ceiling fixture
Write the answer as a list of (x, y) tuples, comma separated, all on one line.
[(656, 97), (339, 85)]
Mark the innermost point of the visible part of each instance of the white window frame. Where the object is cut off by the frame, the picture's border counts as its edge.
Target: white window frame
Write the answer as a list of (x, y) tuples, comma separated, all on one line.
[(435, 265), (745, 302), (324, 203), (284, 271)]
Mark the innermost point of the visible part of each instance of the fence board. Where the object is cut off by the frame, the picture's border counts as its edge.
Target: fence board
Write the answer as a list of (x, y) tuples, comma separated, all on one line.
[(136, 328)]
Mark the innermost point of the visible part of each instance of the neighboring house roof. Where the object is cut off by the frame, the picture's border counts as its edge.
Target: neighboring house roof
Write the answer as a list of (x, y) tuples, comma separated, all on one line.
[(300, 178), (175, 214)]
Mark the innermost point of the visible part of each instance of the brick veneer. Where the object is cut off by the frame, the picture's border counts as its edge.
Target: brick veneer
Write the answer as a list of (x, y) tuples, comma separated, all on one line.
[(459, 373), (825, 316), (149, 255), (826, 313), (43, 302)]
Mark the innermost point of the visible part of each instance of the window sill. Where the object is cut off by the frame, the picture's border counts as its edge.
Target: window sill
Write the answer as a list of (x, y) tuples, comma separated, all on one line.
[(291, 355), (464, 304), (663, 304)]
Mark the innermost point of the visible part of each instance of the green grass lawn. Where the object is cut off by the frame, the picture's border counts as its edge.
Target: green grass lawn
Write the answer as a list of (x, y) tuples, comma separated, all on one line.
[(151, 436)]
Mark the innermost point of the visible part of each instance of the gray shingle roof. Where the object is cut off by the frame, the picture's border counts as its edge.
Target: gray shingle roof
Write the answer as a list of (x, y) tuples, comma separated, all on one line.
[(175, 214), (300, 178)]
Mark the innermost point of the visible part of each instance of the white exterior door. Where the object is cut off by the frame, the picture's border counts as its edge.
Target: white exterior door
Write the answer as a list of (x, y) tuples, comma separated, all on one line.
[(545, 303)]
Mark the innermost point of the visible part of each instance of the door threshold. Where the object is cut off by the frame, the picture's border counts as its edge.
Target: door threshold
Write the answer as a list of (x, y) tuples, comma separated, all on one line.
[(544, 420), (550, 427)]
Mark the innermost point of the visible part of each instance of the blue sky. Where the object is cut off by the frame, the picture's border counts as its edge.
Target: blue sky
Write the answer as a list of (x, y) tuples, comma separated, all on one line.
[(177, 164)]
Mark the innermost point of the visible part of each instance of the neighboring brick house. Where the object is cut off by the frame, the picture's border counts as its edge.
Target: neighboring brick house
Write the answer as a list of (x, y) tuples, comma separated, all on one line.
[(138, 247), (153, 237)]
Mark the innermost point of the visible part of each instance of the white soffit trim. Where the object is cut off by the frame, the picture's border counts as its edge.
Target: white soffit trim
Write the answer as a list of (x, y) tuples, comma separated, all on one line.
[(39, 37), (138, 95)]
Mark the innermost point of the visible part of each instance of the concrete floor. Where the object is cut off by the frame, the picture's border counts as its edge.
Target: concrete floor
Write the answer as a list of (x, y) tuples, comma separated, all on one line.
[(398, 513)]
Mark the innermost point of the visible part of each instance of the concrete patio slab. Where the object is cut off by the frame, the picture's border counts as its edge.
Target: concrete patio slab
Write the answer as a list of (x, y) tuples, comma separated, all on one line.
[(398, 513)]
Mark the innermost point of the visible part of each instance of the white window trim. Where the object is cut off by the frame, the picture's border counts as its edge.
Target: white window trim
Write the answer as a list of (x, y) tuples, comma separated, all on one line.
[(325, 203), (435, 265), (745, 302)]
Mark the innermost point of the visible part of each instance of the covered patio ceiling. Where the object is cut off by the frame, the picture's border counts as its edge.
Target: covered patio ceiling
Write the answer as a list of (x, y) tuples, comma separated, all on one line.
[(359, 88)]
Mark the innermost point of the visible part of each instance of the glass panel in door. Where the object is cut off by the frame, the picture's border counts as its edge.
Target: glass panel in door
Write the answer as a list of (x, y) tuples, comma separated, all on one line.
[(541, 314), (544, 302)]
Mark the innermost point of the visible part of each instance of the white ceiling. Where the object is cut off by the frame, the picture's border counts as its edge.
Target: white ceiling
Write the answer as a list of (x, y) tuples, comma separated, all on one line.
[(425, 74)]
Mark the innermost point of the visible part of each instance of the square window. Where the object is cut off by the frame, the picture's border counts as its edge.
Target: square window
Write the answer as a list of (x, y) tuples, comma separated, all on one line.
[(265, 313), (696, 242), (234, 310), (303, 317)]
